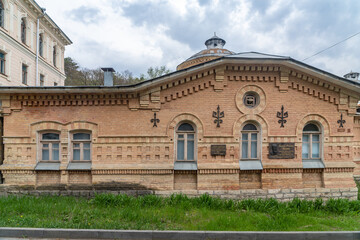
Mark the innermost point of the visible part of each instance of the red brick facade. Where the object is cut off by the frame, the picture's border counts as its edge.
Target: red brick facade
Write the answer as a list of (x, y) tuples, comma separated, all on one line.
[(128, 151)]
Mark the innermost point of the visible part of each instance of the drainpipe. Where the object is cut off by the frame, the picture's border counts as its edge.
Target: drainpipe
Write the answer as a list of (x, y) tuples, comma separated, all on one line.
[(37, 46)]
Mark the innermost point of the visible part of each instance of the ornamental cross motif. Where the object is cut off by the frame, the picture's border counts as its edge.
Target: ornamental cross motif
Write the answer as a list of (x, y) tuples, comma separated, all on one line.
[(155, 120), (218, 115), (341, 121), (282, 115)]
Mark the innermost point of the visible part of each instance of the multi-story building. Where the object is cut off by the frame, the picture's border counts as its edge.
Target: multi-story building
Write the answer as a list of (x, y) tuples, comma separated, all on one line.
[(24, 25), (247, 124)]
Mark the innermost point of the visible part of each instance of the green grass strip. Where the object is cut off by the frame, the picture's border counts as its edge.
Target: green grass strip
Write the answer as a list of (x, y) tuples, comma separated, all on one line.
[(179, 212)]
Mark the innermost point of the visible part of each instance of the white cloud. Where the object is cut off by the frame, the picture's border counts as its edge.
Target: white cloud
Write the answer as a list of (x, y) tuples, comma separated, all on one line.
[(135, 35)]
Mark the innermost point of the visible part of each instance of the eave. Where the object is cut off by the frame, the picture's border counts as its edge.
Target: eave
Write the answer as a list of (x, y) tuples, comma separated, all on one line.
[(216, 63)]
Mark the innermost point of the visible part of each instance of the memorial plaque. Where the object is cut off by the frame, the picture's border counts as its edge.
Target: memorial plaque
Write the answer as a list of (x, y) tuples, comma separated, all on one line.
[(281, 150), (218, 150)]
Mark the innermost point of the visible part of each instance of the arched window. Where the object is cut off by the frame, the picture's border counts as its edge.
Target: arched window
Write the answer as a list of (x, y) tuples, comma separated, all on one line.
[(311, 143), (23, 30), (54, 56), (41, 45), (250, 142), (50, 146), (185, 142), (81, 145), (2, 14)]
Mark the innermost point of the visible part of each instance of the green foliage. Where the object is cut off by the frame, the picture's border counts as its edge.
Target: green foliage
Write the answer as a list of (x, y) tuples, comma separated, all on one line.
[(77, 76), (179, 212)]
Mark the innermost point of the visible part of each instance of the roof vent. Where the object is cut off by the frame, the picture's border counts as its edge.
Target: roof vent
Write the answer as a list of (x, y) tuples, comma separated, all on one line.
[(108, 76), (352, 76)]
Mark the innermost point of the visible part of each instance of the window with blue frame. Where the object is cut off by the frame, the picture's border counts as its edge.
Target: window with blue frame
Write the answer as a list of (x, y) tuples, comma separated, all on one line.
[(185, 145), (2, 63), (311, 142), (50, 147), (81, 145), (250, 142)]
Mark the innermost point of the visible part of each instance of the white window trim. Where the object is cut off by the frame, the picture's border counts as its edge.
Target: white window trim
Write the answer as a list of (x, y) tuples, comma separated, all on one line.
[(311, 133), (50, 142), (82, 141), (259, 142), (185, 142)]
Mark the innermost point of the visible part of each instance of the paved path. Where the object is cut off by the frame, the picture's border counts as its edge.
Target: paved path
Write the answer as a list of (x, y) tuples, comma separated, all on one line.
[(43, 233)]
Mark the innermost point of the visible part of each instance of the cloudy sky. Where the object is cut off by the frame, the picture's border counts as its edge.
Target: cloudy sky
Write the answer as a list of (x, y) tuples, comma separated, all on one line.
[(136, 34)]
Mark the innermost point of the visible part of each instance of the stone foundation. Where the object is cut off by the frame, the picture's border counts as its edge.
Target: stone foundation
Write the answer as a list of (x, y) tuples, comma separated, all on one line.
[(280, 194)]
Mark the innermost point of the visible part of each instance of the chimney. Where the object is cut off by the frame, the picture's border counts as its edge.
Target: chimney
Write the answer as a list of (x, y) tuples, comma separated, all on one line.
[(352, 76), (108, 76)]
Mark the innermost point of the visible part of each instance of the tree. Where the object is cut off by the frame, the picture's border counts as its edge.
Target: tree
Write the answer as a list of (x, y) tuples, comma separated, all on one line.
[(157, 72), (72, 71), (77, 76)]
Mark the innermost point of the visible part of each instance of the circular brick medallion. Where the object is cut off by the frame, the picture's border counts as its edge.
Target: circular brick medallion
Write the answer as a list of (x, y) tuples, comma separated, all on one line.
[(250, 100)]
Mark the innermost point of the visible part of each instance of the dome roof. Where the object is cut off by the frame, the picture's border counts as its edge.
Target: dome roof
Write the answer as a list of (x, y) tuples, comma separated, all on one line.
[(214, 49)]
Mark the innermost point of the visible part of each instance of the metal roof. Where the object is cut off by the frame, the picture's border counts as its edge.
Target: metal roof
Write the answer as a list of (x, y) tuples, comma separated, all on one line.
[(246, 57)]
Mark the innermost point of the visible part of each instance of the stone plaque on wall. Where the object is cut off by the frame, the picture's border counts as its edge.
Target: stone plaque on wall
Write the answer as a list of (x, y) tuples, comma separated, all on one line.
[(218, 150), (281, 150)]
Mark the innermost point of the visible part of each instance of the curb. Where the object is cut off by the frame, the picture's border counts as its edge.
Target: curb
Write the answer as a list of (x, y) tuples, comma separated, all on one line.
[(173, 235)]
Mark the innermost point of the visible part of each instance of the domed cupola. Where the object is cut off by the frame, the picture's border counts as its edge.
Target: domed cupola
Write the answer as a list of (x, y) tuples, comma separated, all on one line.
[(215, 42), (214, 49)]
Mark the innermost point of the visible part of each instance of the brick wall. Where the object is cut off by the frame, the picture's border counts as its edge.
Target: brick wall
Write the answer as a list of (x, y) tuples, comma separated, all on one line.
[(129, 152)]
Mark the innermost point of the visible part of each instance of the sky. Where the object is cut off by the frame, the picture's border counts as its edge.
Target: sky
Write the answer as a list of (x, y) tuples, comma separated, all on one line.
[(137, 34)]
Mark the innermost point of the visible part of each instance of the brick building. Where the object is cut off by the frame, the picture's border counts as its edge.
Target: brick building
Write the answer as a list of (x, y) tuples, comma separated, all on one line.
[(246, 123), (32, 46)]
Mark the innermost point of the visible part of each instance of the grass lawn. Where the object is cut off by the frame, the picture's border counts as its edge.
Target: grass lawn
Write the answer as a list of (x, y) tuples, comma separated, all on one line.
[(179, 212)]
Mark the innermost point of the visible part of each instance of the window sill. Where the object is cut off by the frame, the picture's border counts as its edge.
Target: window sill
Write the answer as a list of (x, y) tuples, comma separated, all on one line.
[(48, 166), (250, 164), (79, 165), (313, 163), (185, 165)]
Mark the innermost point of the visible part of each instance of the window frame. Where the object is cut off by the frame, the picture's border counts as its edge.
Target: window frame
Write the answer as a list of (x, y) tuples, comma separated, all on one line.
[(42, 79), (81, 148), (3, 64), (23, 30), (50, 148), (41, 45), (2, 14), (54, 55), (24, 73), (310, 142), (185, 133), (249, 141)]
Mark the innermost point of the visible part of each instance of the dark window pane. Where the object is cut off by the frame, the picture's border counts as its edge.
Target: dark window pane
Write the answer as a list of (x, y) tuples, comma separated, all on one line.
[(45, 154), (180, 150), (81, 136), (244, 150), (76, 154), (190, 150), (250, 127), (55, 155), (50, 136), (86, 154), (186, 127), (1, 14), (311, 128)]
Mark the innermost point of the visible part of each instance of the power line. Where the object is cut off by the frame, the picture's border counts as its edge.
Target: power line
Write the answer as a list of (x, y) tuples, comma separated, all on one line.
[(332, 46)]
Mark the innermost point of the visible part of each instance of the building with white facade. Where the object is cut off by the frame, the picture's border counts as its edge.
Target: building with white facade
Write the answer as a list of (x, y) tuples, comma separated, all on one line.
[(24, 25)]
